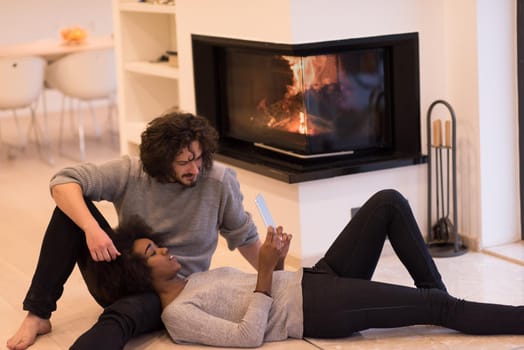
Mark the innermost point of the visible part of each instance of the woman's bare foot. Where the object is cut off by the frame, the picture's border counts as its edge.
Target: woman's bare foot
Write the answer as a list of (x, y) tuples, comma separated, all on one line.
[(31, 327)]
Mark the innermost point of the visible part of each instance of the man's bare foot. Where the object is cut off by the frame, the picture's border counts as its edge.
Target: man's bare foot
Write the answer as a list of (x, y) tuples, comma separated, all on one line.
[(31, 327)]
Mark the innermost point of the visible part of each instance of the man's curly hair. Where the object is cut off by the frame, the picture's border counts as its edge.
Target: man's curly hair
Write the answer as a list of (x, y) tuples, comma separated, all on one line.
[(127, 275), (166, 136)]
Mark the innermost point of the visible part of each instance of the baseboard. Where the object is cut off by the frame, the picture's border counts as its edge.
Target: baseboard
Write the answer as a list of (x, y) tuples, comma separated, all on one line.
[(471, 242)]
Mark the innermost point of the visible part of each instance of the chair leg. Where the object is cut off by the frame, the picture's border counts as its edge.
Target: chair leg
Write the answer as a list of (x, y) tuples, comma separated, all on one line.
[(4, 145), (96, 125), (61, 126), (38, 133), (7, 149), (21, 137), (76, 124), (112, 121), (47, 132), (81, 136), (41, 134)]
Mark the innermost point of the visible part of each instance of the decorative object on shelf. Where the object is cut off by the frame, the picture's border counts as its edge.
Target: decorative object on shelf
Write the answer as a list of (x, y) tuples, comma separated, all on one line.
[(172, 58), (73, 35), (443, 238)]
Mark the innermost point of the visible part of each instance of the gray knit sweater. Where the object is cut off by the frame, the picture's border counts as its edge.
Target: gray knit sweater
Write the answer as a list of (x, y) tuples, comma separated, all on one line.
[(186, 219), (219, 308)]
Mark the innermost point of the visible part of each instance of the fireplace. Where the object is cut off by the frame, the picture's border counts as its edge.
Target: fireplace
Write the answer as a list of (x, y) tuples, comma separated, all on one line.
[(309, 111)]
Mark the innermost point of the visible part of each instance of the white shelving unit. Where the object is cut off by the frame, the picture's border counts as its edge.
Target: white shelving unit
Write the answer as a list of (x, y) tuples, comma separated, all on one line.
[(146, 88)]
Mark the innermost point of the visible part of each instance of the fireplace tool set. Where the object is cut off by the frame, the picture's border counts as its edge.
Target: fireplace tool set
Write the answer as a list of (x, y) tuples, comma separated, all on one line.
[(443, 239)]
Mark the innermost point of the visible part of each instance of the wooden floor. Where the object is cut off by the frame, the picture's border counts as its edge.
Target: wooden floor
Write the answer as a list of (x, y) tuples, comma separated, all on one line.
[(25, 207)]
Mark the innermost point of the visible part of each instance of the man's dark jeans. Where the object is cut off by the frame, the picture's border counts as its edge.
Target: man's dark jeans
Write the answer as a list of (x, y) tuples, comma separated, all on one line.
[(64, 244)]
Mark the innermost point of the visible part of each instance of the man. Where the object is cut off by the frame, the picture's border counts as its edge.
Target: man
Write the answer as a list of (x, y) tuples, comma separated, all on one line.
[(175, 187)]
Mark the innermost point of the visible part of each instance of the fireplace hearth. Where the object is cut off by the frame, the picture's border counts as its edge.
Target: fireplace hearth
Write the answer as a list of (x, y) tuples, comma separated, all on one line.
[(310, 111)]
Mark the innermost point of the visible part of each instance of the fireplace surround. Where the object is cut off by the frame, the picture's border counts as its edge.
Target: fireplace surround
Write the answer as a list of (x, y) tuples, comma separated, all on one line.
[(301, 112)]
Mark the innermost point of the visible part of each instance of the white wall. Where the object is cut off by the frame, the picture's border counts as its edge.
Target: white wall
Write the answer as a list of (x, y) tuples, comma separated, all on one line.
[(24, 21), (498, 121), (481, 85), (316, 211), (28, 20), (467, 57), (462, 92)]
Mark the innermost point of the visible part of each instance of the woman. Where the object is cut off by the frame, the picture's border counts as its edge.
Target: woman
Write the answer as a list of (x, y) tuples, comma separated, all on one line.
[(227, 307)]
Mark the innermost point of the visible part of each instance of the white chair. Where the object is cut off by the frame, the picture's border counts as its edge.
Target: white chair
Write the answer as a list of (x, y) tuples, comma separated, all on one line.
[(21, 84), (83, 77)]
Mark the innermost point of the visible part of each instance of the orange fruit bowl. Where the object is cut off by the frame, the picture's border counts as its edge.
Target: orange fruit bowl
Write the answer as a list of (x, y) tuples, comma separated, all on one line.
[(73, 35)]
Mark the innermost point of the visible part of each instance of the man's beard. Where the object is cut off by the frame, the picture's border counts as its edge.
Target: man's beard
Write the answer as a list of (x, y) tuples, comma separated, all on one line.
[(190, 184)]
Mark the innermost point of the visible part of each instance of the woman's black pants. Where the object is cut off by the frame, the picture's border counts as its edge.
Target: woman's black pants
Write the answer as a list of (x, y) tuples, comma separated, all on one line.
[(340, 298), (63, 246)]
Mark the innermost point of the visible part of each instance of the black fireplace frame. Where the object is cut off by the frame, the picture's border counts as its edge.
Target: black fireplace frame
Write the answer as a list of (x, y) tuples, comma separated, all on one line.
[(404, 91)]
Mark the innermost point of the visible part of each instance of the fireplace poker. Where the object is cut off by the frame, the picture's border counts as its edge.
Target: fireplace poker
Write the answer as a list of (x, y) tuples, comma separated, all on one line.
[(443, 232), (437, 141), (448, 145)]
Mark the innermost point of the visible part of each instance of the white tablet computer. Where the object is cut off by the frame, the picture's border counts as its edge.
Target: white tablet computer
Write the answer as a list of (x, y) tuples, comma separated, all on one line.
[(264, 211)]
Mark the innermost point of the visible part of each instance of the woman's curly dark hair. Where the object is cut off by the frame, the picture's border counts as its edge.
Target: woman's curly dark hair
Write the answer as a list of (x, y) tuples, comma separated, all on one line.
[(127, 275), (166, 136)]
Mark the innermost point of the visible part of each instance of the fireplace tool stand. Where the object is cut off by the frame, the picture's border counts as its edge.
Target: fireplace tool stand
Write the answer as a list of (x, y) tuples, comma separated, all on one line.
[(443, 239)]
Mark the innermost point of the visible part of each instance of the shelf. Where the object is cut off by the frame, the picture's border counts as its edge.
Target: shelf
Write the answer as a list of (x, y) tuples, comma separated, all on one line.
[(143, 32), (146, 7), (159, 69)]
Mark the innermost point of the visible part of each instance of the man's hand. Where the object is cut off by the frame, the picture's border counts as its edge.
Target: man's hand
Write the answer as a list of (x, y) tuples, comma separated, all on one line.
[(69, 198), (100, 245)]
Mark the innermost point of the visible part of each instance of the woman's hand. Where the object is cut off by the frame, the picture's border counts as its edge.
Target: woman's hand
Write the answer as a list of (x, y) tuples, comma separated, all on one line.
[(272, 254), (276, 243), (270, 251), (284, 249)]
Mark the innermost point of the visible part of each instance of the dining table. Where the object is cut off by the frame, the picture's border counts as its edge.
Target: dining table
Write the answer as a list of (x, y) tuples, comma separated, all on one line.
[(54, 48)]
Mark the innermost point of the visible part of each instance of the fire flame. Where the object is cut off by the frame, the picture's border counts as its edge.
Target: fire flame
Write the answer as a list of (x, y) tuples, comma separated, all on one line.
[(312, 72), (309, 73), (302, 127)]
